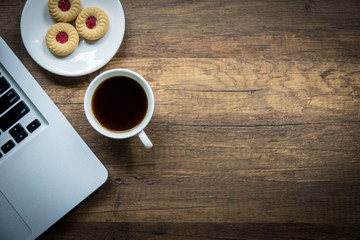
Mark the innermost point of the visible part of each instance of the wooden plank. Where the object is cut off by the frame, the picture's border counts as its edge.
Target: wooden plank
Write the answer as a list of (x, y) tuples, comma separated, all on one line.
[(300, 29), (238, 92), (162, 28), (191, 231)]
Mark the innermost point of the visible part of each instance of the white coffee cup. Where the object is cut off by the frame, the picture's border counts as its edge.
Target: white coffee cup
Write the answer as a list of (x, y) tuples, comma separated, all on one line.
[(139, 128)]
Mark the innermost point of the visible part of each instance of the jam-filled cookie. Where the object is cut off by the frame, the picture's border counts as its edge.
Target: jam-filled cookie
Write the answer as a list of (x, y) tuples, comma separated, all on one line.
[(92, 23), (62, 39), (64, 10)]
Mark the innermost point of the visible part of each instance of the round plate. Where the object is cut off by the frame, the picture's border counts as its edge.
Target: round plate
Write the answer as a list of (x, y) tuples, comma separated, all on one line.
[(89, 56)]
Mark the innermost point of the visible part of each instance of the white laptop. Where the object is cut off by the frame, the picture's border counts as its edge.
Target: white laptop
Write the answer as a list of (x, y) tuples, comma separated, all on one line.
[(46, 169)]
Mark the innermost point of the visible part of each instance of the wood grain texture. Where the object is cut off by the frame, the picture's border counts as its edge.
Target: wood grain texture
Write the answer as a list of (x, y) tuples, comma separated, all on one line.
[(256, 127)]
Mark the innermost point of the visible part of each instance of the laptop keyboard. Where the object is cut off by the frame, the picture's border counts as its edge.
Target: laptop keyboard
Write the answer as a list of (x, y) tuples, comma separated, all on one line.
[(12, 110)]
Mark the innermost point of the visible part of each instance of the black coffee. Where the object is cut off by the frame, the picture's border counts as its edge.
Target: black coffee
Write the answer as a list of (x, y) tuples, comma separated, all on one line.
[(119, 104)]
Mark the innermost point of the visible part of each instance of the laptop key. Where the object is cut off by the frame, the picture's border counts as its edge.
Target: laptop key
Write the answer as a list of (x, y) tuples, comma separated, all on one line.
[(21, 136), (13, 115), (18, 133), (14, 131), (33, 125), (4, 85), (8, 146), (9, 99)]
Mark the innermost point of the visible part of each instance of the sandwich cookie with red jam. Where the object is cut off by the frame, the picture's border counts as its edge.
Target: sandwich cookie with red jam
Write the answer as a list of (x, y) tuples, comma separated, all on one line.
[(62, 39), (64, 10), (92, 23)]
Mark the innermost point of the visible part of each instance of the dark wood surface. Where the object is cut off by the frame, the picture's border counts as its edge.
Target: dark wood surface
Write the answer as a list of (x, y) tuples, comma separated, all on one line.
[(256, 128)]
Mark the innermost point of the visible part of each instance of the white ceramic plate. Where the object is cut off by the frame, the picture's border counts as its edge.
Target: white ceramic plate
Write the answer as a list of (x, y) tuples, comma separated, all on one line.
[(89, 56)]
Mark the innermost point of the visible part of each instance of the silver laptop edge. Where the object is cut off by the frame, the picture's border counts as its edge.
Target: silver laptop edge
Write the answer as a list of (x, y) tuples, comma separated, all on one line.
[(49, 172)]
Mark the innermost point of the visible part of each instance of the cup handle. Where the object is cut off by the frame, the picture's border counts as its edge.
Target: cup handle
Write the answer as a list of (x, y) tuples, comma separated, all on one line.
[(145, 140)]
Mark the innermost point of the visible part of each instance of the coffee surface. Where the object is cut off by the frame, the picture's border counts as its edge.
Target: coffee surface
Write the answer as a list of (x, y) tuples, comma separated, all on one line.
[(119, 104)]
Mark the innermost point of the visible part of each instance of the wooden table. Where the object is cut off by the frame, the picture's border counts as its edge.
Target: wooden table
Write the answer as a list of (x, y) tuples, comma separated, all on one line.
[(256, 128)]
